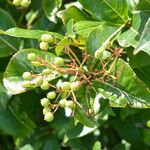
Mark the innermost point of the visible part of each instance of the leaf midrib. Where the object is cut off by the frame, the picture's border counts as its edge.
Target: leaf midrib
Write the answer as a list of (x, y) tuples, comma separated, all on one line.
[(114, 10)]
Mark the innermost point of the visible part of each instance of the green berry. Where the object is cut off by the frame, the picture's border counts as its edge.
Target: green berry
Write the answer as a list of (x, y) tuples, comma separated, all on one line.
[(32, 57), (65, 86), (45, 85), (99, 54), (44, 46), (17, 2), (46, 71), (62, 103), (27, 76), (45, 102), (46, 110), (47, 38), (38, 80), (51, 95), (148, 123), (26, 84), (75, 85), (25, 3), (36, 63), (48, 117), (70, 104), (58, 61)]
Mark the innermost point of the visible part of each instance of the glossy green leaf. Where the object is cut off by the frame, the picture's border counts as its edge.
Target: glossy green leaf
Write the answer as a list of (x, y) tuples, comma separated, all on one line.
[(34, 34), (144, 5), (8, 45), (130, 82), (73, 13), (69, 26), (101, 37), (80, 114), (84, 28), (77, 131), (114, 12), (15, 119), (132, 36), (51, 7), (128, 98), (17, 66), (132, 4), (144, 42), (128, 130), (52, 143), (62, 45), (4, 95)]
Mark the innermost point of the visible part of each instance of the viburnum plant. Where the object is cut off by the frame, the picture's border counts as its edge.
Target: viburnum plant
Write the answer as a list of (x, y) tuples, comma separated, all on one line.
[(84, 74)]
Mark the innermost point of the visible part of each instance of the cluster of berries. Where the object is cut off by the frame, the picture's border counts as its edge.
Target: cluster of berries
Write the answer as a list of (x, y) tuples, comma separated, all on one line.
[(42, 80), (45, 40), (23, 3)]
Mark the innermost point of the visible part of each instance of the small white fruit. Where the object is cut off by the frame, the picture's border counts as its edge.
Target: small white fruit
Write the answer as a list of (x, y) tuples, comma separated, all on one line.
[(48, 117), (70, 104), (46, 110), (38, 80), (62, 103), (44, 46), (17, 2), (45, 85), (46, 71), (45, 102), (51, 95), (58, 61), (65, 86), (99, 54), (47, 38), (27, 76), (25, 3)]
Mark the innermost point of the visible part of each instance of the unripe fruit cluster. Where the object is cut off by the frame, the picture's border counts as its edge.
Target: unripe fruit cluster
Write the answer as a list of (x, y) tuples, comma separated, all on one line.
[(48, 115), (42, 80), (99, 54), (66, 103), (23, 3), (46, 39)]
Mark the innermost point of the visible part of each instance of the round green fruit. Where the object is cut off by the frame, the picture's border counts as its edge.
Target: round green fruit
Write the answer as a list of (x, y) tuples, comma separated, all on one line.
[(58, 61), (62, 103), (46, 110), (75, 85), (45, 102), (45, 85), (70, 104), (65, 86), (99, 54), (49, 117), (25, 3), (47, 38), (17, 2), (51, 95), (46, 71), (26, 84), (148, 123), (38, 80), (27, 76), (44, 46), (32, 57)]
